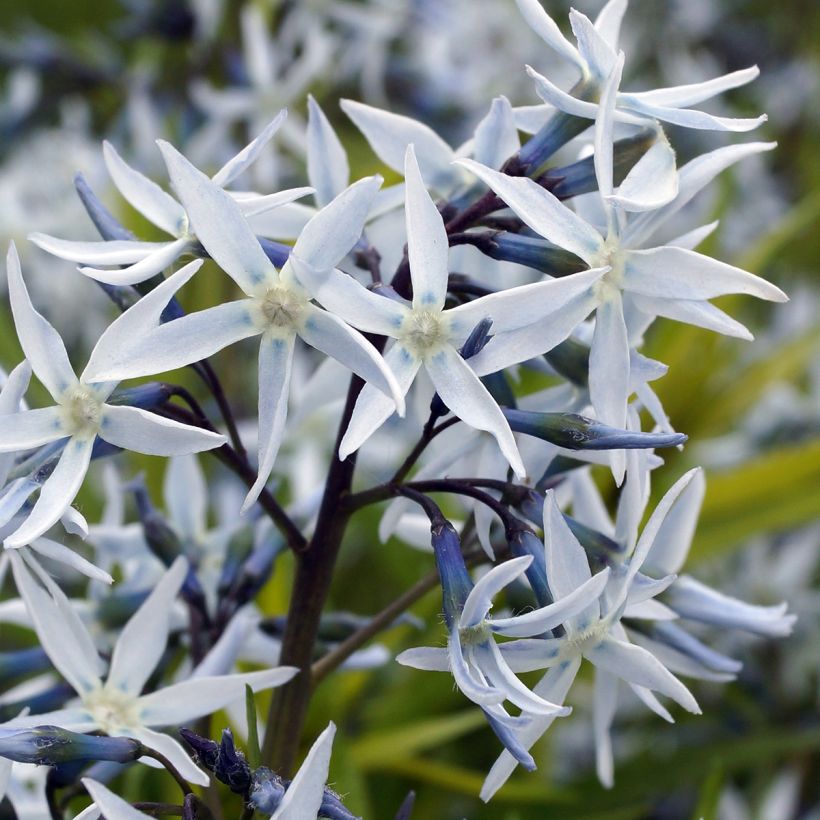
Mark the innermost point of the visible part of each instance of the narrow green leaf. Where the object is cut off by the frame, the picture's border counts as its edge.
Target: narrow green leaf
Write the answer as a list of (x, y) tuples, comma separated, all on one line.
[(254, 750)]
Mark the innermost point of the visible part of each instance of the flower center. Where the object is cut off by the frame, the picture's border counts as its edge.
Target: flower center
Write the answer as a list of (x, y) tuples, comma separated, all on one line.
[(423, 331), (579, 643), (112, 709), (281, 307), (472, 635), (611, 254), (82, 412)]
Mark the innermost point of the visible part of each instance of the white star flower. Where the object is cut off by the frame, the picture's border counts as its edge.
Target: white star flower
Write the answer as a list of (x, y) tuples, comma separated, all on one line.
[(79, 417), (114, 704)]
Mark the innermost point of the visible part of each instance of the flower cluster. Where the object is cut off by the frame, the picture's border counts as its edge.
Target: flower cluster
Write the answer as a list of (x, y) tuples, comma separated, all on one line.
[(516, 264)]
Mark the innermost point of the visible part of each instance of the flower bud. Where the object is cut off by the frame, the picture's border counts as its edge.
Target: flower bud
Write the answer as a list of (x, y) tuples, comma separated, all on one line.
[(266, 791), (531, 251), (455, 580), (51, 745), (205, 750), (231, 767)]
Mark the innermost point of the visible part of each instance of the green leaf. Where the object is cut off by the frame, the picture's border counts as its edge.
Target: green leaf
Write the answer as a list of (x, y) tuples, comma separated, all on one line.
[(254, 750)]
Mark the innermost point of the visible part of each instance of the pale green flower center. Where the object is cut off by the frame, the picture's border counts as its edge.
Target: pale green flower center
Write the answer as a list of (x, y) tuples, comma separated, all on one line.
[(112, 709), (579, 643), (82, 412), (281, 307), (613, 255), (472, 635), (423, 331)]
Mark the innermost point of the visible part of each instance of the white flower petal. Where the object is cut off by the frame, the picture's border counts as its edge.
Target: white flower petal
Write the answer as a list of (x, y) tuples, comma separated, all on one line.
[(605, 701), (689, 118), (218, 223), (480, 600), (427, 243), (604, 129), (238, 164), (327, 166), (186, 496), (41, 343), (373, 407), (152, 264), (193, 698), (141, 431), (113, 252), (608, 21), (681, 96), (390, 134), (30, 428), (57, 492), (173, 751), (144, 194), (676, 273), (111, 805), (427, 658), (545, 27), (496, 137), (60, 631), (330, 335), (141, 642), (304, 795), (275, 365), (256, 205), (73, 719), (652, 182), (692, 312), (330, 235), (541, 211), (691, 239), (471, 683), (634, 664), (464, 394), (59, 552), (609, 363), (596, 52)]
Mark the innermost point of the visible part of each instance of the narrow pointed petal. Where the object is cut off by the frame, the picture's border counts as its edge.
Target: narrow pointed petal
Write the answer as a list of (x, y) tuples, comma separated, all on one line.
[(541, 211), (238, 164), (256, 205), (41, 343), (691, 239), (218, 223), (545, 27), (304, 795), (496, 137), (116, 252), (373, 408), (477, 690), (682, 96), (173, 750), (73, 719), (152, 264), (480, 600), (330, 235), (596, 52), (608, 21), (538, 621), (634, 664), (605, 701), (692, 312), (60, 631), (676, 273), (330, 335), (193, 698), (172, 345), (553, 687), (464, 394), (186, 496), (609, 363), (526, 305), (427, 658), (111, 805), (390, 134), (145, 195), (343, 295), (57, 492), (554, 96), (652, 182), (31, 428), (327, 166), (604, 130), (427, 244), (59, 552), (142, 640), (689, 118), (133, 428), (275, 365)]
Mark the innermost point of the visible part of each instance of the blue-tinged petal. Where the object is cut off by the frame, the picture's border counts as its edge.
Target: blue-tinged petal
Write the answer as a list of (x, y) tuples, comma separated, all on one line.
[(609, 362), (676, 273), (41, 343), (608, 21), (507, 735), (255, 205), (469, 681), (304, 794), (604, 131), (275, 366), (689, 118), (186, 496), (327, 166), (219, 224), (531, 654), (604, 703), (145, 195), (692, 312), (59, 552), (111, 805), (496, 137), (681, 96), (553, 687), (480, 600), (677, 638), (31, 428), (427, 658), (427, 243), (115, 252), (652, 182), (636, 665), (541, 211), (57, 492), (373, 408), (546, 28), (390, 134), (171, 749), (596, 52), (239, 163), (330, 335), (464, 394)]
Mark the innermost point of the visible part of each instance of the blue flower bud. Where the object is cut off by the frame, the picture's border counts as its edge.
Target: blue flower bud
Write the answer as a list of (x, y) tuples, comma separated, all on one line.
[(455, 580), (205, 750), (575, 432), (524, 542), (266, 791), (50, 745), (597, 545), (161, 538), (47, 701), (146, 396), (533, 252), (23, 662), (332, 807), (554, 134), (231, 767), (570, 359)]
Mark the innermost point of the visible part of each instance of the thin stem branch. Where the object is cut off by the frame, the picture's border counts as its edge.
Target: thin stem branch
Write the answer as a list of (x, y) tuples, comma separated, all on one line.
[(159, 809), (183, 784), (211, 380), (428, 434)]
